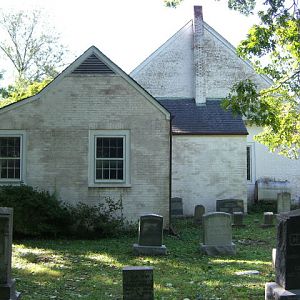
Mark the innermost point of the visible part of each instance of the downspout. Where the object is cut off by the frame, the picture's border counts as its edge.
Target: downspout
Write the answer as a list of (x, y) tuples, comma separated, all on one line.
[(170, 176)]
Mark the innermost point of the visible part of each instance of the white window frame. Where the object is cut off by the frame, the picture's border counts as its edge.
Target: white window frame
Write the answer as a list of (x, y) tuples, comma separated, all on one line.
[(22, 135), (251, 146), (93, 135)]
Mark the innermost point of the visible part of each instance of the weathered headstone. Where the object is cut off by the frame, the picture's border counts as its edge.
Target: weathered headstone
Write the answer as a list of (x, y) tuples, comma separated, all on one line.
[(199, 212), (230, 205), (138, 283), (150, 237), (7, 284), (287, 262), (176, 206), (238, 218), (217, 234), (283, 202), (268, 220)]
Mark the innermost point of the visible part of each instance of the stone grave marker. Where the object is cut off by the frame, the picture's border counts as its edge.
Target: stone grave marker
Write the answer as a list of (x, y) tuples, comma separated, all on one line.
[(7, 284), (138, 283), (283, 202), (268, 219), (198, 215), (238, 218), (176, 206), (230, 205), (150, 236), (217, 234), (287, 262)]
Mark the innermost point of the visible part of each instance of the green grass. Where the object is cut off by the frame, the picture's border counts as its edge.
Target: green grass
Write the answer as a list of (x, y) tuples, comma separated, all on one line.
[(68, 269)]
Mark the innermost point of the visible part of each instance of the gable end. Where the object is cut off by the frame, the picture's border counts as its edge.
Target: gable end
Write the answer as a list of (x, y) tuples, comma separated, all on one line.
[(93, 65)]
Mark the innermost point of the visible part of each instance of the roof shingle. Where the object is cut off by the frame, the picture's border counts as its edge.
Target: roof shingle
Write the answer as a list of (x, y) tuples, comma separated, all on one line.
[(189, 118)]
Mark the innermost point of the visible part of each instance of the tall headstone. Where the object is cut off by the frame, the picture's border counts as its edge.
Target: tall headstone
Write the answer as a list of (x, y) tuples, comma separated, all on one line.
[(217, 234), (287, 263), (138, 283), (7, 284), (230, 205), (176, 206), (150, 238), (198, 215), (283, 202)]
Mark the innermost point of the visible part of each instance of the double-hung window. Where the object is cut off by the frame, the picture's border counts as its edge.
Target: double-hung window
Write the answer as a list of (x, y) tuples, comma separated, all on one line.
[(250, 163), (109, 158), (11, 157)]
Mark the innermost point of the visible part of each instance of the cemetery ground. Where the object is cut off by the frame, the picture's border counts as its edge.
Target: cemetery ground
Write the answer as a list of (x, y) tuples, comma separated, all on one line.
[(92, 269)]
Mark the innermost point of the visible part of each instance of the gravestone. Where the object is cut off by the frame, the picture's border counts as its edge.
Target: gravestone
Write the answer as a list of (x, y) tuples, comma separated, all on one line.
[(7, 284), (198, 215), (150, 237), (176, 206), (138, 283), (217, 234), (230, 205), (283, 202), (268, 219), (238, 218), (287, 262)]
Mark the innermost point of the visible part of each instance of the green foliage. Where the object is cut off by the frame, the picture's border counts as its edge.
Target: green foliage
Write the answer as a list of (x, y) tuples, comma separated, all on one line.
[(102, 220), (263, 206), (40, 214), (21, 90), (273, 49), (36, 213), (172, 3)]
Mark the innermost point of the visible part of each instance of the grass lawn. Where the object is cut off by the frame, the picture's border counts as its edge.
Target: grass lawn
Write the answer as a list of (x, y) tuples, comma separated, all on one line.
[(74, 269)]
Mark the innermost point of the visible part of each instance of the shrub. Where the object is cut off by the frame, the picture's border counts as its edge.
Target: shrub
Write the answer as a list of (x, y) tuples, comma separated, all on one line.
[(102, 220), (263, 206), (36, 213)]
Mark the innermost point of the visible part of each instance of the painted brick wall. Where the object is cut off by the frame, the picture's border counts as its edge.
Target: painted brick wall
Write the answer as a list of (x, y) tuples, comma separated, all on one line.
[(57, 134), (169, 71), (203, 171), (273, 165)]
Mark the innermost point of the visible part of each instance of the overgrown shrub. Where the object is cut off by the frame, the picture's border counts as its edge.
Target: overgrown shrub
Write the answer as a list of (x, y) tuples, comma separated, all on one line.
[(102, 220), (263, 206), (36, 213), (39, 214)]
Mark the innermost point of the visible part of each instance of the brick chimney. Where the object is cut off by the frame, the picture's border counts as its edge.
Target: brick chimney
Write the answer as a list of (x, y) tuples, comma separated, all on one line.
[(200, 84)]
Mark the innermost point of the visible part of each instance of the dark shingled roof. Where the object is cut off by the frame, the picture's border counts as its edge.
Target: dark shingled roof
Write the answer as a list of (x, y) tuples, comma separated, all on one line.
[(189, 118)]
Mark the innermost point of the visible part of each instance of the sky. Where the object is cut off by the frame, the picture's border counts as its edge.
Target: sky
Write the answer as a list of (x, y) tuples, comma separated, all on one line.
[(127, 31)]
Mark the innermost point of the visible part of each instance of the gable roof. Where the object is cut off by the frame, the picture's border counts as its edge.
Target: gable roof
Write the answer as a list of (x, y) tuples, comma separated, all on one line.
[(209, 119), (187, 26), (91, 62)]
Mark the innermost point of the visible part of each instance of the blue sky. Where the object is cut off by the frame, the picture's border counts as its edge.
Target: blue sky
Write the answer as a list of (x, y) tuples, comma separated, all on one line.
[(127, 31)]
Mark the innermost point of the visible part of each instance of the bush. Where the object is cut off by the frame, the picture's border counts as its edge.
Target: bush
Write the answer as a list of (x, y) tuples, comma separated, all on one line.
[(40, 214), (36, 213), (263, 206), (102, 220)]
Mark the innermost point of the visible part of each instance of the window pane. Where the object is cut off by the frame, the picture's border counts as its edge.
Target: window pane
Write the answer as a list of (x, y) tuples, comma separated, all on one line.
[(120, 174), (113, 174), (10, 146), (105, 174), (10, 169), (249, 163)]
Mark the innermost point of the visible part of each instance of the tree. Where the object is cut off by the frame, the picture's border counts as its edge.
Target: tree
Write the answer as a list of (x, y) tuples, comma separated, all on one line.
[(273, 48), (34, 49)]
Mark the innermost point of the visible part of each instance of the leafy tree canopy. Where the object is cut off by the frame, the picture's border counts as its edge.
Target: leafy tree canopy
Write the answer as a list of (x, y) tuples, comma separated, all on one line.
[(273, 48)]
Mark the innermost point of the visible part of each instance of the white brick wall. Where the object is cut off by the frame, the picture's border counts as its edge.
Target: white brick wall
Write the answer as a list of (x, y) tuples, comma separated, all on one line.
[(208, 168), (272, 165), (57, 130)]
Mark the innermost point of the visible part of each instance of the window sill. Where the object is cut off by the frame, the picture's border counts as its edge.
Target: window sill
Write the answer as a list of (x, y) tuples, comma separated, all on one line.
[(109, 185), (15, 183)]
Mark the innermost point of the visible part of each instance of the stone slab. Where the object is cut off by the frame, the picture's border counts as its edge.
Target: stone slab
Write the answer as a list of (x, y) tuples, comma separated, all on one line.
[(138, 283), (8, 291), (149, 250), (230, 205), (215, 250), (274, 291)]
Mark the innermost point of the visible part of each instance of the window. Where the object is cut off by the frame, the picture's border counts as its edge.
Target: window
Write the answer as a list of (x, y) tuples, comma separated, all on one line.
[(109, 158), (11, 157), (250, 163)]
